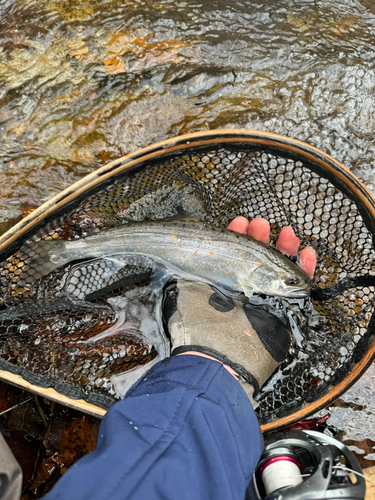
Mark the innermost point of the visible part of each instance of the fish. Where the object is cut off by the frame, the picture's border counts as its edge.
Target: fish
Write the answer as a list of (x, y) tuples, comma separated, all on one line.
[(228, 261)]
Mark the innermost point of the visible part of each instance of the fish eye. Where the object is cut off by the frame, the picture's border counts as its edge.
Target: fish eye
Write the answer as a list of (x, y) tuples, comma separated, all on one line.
[(291, 281)]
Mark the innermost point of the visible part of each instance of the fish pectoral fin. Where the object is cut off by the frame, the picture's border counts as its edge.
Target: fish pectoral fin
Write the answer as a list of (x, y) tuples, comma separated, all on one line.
[(247, 290), (158, 278)]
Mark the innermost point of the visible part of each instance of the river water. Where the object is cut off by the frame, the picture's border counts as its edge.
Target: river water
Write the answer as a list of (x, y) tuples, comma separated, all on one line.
[(83, 82)]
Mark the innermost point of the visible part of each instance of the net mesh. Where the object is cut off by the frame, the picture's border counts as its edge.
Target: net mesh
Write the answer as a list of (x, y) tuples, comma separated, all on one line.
[(46, 335)]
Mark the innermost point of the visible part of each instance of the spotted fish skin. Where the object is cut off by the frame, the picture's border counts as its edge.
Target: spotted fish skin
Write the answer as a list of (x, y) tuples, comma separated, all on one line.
[(219, 257)]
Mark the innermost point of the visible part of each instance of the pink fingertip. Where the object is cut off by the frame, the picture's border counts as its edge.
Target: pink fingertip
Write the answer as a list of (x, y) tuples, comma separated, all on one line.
[(239, 225), (307, 261), (287, 242), (259, 229)]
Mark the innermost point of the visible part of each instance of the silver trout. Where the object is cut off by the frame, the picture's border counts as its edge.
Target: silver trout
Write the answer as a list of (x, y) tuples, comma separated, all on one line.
[(222, 258)]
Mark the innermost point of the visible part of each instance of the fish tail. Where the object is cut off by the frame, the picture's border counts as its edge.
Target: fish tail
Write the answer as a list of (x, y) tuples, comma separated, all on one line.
[(46, 257)]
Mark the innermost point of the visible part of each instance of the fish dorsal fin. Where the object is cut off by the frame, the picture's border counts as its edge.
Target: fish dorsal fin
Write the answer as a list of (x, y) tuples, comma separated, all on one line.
[(182, 216)]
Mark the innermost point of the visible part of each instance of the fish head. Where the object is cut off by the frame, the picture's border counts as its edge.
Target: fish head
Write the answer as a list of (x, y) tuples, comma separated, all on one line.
[(281, 282)]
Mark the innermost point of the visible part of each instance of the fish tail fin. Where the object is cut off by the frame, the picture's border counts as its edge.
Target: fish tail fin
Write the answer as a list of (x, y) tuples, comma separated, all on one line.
[(44, 257)]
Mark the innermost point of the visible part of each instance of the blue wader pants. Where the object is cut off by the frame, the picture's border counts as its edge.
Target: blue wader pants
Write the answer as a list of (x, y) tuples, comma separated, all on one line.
[(186, 430)]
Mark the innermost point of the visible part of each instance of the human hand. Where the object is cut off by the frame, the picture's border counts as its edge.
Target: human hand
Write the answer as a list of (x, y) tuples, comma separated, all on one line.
[(287, 242)]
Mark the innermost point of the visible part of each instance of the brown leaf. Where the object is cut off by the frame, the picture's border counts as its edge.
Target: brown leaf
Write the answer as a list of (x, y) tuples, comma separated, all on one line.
[(367, 445), (114, 65), (159, 51), (55, 431), (79, 439), (300, 24), (29, 206), (83, 156), (119, 43), (9, 396), (78, 49), (45, 471), (4, 404), (26, 418)]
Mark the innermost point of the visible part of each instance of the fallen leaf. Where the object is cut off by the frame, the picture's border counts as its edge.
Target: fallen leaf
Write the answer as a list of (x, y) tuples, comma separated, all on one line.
[(119, 44), (8, 397), (26, 418), (83, 155), (78, 49), (45, 471), (114, 65), (297, 23), (338, 28), (79, 438), (29, 206), (367, 445), (54, 433)]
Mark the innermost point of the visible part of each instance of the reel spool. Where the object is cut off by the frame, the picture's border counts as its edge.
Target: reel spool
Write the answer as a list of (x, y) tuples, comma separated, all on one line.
[(306, 465)]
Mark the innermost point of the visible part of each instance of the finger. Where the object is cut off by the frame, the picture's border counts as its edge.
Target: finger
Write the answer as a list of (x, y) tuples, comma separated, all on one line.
[(259, 229), (287, 242), (307, 261), (239, 225)]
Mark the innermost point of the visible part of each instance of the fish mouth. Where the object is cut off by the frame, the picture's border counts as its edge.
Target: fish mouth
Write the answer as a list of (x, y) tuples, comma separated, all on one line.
[(297, 293)]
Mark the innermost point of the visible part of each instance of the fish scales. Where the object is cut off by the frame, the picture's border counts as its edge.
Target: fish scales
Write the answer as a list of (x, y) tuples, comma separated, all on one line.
[(220, 257)]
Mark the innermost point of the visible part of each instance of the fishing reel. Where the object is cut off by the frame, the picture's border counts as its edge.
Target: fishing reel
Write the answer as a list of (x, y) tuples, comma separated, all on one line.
[(306, 465)]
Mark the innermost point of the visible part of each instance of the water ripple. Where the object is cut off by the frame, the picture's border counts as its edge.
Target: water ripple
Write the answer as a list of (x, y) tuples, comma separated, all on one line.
[(83, 82)]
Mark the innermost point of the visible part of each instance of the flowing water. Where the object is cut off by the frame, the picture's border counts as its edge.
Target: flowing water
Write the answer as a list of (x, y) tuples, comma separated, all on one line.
[(83, 82)]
